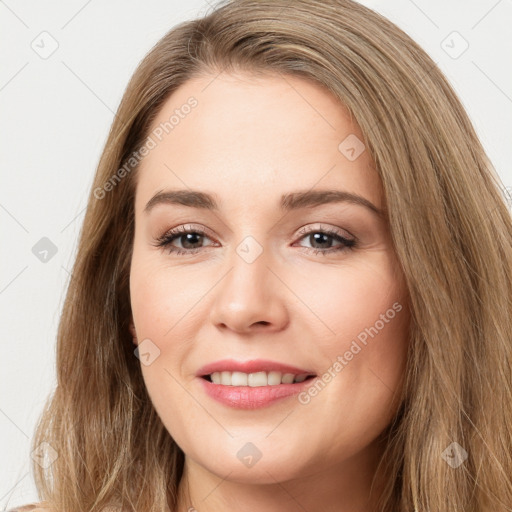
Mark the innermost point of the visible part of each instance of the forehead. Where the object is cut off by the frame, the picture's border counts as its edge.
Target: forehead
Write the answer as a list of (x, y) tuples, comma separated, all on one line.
[(249, 136)]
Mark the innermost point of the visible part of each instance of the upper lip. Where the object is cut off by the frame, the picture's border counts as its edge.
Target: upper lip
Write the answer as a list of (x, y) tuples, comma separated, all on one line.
[(252, 366)]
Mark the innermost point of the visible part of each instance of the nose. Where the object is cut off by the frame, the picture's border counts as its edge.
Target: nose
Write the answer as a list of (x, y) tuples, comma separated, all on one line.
[(252, 295)]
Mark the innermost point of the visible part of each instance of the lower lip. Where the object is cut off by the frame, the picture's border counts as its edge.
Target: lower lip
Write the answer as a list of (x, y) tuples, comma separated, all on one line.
[(247, 397)]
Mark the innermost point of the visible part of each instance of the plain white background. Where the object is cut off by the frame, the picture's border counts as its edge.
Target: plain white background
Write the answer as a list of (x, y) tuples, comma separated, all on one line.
[(56, 113)]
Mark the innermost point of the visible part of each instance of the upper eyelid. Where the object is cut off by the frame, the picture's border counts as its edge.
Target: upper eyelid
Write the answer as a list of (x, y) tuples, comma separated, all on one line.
[(188, 227), (329, 229)]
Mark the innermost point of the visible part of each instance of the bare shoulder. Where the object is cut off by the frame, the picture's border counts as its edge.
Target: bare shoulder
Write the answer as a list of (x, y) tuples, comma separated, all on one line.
[(33, 507), (44, 507)]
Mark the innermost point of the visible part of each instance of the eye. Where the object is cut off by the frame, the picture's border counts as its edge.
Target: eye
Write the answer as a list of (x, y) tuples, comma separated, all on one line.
[(187, 236), (191, 236), (320, 236)]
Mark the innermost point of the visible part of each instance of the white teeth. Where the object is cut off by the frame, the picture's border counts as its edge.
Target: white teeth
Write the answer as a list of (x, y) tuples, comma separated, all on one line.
[(256, 379), (274, 378), (287, 378), (239, 379)]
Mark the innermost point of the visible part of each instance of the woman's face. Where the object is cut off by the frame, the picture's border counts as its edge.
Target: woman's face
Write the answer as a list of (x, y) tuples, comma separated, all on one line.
[(269, 267)]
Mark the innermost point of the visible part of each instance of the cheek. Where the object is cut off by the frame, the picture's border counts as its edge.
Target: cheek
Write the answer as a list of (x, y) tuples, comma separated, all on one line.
[(363, 351), (165, 309), (362, 319), (350, 301), (160, 302), (162, 299)]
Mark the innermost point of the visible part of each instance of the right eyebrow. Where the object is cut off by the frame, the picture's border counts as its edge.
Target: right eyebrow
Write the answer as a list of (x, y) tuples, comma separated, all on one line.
[(191, 198)]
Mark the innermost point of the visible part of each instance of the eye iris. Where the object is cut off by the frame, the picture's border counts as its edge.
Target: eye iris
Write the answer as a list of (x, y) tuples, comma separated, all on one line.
[(192, 235), (317, 236)]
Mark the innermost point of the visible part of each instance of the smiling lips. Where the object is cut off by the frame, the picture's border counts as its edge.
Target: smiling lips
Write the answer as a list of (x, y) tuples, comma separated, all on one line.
[(252, 384)]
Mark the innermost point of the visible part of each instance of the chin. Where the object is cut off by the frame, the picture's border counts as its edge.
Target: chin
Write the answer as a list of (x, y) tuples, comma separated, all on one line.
[(250, 465)]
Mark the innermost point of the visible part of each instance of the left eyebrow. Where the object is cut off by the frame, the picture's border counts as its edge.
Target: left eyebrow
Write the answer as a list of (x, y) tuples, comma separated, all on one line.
[(290, 201), (191, 198), (314, 198)]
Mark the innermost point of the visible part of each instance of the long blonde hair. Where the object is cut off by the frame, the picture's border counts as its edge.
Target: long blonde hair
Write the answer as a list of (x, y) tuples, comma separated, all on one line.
[(451, 230)]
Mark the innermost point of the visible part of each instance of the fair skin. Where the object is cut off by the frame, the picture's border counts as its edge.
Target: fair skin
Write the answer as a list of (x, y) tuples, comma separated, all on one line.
[(248, 141)]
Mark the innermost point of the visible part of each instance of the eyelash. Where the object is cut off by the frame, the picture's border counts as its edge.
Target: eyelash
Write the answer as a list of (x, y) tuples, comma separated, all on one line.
[(164, 242)]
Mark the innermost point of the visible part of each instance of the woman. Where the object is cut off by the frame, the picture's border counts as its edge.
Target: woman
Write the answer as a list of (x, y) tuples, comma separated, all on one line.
[(209, 360)]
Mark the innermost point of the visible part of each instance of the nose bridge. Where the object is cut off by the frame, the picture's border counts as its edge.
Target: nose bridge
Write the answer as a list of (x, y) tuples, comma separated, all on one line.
[(250, 251), (249, 261), (249, 293)]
